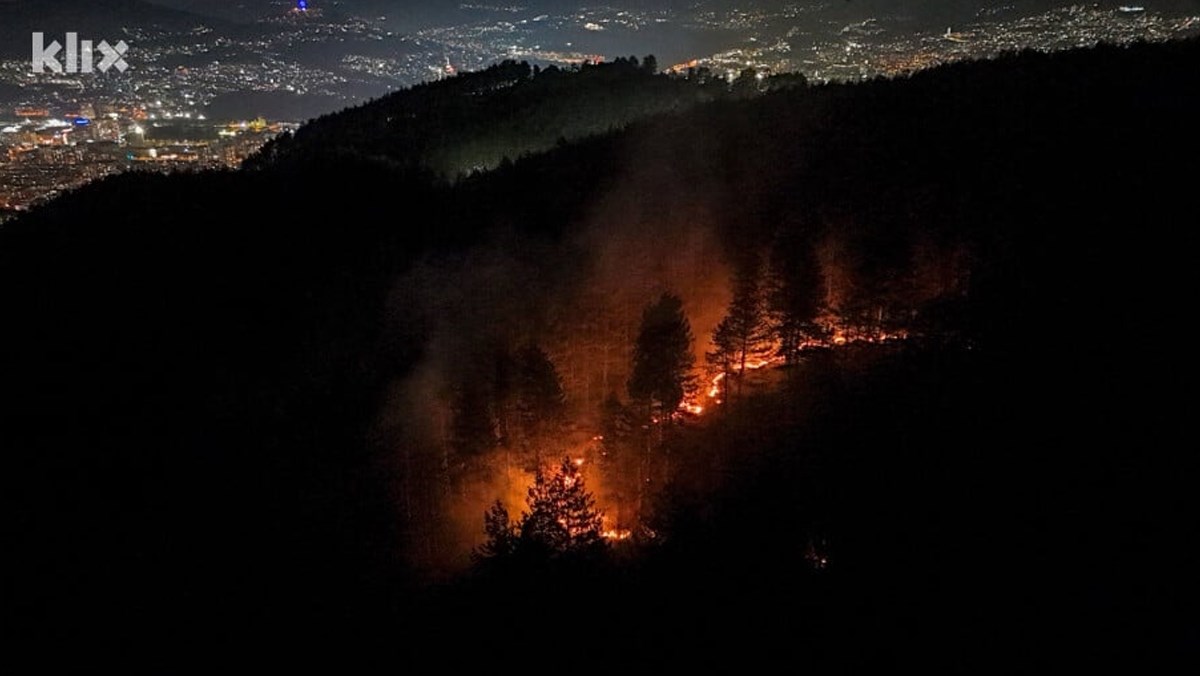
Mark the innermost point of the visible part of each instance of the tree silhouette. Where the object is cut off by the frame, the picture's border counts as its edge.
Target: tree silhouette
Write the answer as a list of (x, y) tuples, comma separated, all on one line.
[(795, 293), (662, 356), (474, 121), (561, 519), (501, 534), (539, 396), (747, 84), (562, 514), (724, 354), (743, 335)]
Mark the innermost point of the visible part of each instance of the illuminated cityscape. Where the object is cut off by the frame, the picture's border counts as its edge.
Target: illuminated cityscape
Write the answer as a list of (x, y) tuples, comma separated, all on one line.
[(188, 99), (44, 156)]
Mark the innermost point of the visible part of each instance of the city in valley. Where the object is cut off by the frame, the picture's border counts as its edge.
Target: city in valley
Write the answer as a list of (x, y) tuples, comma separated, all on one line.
[(202, 92)]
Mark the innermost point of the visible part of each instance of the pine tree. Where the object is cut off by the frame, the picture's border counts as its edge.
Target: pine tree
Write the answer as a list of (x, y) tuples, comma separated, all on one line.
[(743, 336), (501, 534), (539, 396), (795, 294), (724, 355), (540, 530), (562, 519), (575, 507), (662, 358)]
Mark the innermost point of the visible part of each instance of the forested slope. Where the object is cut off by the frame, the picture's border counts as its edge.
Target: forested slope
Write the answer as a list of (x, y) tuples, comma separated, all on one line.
[(238, 404)]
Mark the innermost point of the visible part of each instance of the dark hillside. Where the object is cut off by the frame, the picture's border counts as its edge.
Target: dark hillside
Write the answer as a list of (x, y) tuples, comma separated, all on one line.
[(238, 406)]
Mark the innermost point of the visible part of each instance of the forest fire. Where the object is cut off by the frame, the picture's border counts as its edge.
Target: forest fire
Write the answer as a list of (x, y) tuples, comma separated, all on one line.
[(838, 337), (713, 393), (715, 390), (612, 397), (715, 385)]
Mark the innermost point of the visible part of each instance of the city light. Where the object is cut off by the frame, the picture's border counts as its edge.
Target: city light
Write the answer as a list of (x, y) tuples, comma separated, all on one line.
[(117, 109)]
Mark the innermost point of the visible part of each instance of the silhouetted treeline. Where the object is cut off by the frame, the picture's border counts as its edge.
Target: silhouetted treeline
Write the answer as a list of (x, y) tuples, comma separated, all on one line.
[(475, 121), (213, 385)]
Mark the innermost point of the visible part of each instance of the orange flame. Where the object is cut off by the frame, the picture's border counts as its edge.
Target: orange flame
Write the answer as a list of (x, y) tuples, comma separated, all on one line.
[(840, 337)]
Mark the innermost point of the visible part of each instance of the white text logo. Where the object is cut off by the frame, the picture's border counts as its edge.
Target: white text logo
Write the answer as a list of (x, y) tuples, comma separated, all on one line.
[(80, 55)]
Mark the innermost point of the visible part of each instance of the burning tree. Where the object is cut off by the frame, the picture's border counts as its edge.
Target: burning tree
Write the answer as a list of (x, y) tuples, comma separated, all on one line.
[(743, 336), (562, 514), (562, 519)]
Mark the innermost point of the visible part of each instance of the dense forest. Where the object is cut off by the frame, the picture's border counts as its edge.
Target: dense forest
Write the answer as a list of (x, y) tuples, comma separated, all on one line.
[(475, 121), (852, 374)]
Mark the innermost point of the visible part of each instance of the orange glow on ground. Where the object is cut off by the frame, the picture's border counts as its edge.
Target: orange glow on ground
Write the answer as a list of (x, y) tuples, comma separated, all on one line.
[(840, 337)]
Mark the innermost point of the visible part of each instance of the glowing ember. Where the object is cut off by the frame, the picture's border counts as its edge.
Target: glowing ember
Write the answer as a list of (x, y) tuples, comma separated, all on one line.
[(839, 337), (714, 389), (614, 534)]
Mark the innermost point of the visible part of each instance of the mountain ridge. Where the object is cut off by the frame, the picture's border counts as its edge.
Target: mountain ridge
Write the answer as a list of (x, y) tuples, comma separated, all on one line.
[(216, 384)]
